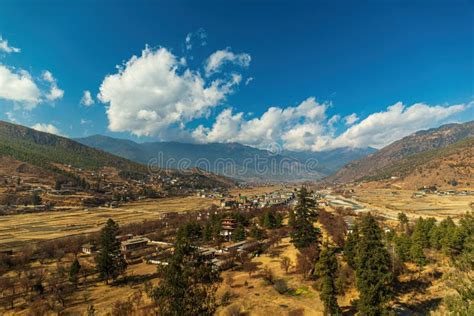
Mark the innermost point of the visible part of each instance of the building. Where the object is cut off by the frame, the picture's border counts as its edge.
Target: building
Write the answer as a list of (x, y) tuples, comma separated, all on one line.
[(89, 249), (228, 225), (124, 237), (134, 244)]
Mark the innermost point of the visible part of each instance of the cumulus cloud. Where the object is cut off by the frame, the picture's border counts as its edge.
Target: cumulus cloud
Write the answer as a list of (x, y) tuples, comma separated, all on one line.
[(54, 92), (6, 48), (397, 121), (87, 99), (351, 119), (283, 125), (307, 127), (47, 128), (221, 57), (18, 86), (154, 93)]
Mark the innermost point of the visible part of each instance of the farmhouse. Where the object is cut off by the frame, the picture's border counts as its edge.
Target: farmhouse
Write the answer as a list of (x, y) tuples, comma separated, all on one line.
[(89, 249), (134, 244)]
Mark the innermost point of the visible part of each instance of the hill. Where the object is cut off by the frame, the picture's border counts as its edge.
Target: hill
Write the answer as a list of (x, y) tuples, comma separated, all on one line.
[(45, 150), (372, 166), (231, 159), (48, 154), (447, 167)]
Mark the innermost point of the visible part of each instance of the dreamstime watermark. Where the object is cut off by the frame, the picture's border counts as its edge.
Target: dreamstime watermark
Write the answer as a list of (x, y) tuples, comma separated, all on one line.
[(268, 164)]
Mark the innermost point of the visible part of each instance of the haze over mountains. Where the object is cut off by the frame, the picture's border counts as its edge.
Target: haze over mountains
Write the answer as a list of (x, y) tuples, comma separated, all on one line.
[(431, 157), (232, 159)]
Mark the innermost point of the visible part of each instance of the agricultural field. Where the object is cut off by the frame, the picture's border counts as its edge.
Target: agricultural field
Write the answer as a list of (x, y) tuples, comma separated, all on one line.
[(390, 202), (20, 229)]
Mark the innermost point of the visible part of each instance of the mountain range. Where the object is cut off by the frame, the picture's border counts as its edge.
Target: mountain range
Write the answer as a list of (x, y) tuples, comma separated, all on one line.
[(231, 159), (430, 157)]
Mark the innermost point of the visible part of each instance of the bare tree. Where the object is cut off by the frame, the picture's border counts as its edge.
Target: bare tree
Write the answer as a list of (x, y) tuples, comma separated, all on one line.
[(285, 264)]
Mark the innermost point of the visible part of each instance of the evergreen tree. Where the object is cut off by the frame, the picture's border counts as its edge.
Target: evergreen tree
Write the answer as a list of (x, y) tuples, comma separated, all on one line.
[(36, 199), (269, 220), (417, 255), (110, 262), (207, 232), (239, 233), (257, 233), (189, 283), (422, 231), (190, 230), (326, 270), (304, 233), (74, 272), (350, 247), (57, 185), (403, 246), (403, 219), (373, 270)]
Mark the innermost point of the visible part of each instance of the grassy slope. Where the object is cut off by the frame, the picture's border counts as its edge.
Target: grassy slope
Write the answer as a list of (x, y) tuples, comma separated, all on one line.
[(411, 163)]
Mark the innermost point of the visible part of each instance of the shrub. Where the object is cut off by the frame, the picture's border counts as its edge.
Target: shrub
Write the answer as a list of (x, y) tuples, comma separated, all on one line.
[(280, 286)]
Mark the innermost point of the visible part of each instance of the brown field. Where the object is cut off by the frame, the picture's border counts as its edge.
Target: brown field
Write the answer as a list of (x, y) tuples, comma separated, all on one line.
[(389, 204), (17, 230)]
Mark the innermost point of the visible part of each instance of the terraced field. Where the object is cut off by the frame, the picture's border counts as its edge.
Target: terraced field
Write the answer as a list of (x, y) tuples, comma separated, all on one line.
[(17, 230)]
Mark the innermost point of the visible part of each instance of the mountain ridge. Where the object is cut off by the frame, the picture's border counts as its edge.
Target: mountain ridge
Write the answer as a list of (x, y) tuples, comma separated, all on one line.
[(416, 143), (280, 166)]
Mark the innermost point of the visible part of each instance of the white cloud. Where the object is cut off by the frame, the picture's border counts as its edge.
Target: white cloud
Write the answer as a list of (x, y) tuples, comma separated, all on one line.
[(351, 119), (18, 86), (248, 81), (84, 121), (307, 127), (47, 128), (54, 93), (87, 99), (4, 47), (200, 36), (282, 125), (221, 57), (397, 121), (153, 94)]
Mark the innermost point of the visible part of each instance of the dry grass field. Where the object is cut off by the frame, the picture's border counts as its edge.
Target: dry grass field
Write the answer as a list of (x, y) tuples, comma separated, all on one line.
[(391, 202), (17, 230)]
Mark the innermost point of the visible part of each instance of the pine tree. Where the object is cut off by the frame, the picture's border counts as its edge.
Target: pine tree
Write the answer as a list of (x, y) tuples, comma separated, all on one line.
[(74, 272), (403, 246), (326, 270), (350, 247), (403, 219), (422, 231), (110, 262), (373, 270), (304, 233), (189, 283), (239, 233), (417, 255)]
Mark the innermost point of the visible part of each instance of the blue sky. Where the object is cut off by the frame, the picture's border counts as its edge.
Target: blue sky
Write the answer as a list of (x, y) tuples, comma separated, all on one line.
[(305, 74)]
